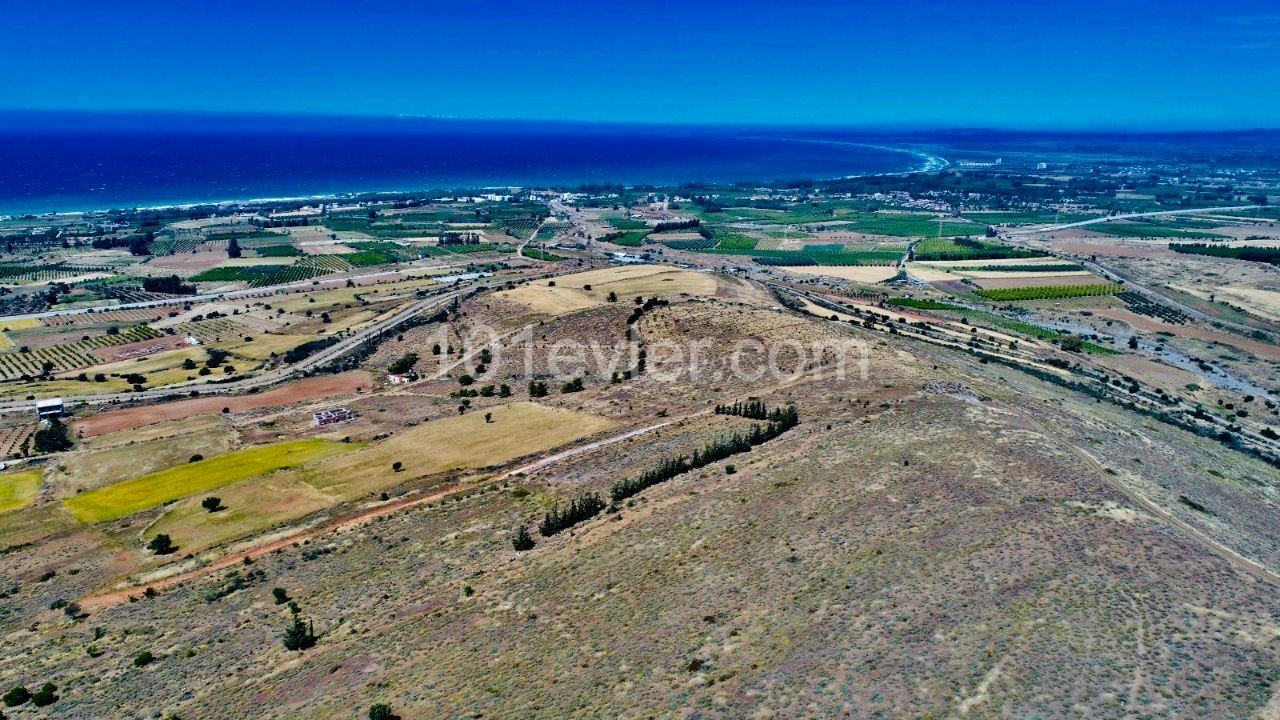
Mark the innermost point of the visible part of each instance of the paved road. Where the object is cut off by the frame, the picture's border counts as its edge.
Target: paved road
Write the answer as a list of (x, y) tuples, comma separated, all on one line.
[(1130, 216), (347, 344), (208, 297)]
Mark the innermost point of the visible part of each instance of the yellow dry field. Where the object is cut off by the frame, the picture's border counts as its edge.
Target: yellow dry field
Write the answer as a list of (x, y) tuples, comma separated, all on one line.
[(18, 489), (83, 471), (262, 346), (855, 273), (1263, 302), (5, 342), (61, 388), (149, 491), (818, 310), (568, 295), (925, 273), (16, 324), (168, 360), (454, 443), (328, 299), (250, 507), (339, 320)]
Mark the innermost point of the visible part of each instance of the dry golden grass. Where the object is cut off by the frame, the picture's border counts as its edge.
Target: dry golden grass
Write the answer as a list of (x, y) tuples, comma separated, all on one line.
[(262, 346), (93, 469), (856, 273), (18, 490), (19, 324), (251, 506), (170, 428), (59, 388), (159, 362), (328, 299), (465, 441), (568, 294), (149, 491), (819, 311)]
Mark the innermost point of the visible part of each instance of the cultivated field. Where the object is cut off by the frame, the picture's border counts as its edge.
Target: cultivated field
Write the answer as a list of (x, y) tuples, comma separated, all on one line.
[(148, 491), (465, 442)]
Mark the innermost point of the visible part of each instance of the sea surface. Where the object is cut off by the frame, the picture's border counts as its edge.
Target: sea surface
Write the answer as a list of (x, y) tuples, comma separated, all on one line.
[(57, 165)]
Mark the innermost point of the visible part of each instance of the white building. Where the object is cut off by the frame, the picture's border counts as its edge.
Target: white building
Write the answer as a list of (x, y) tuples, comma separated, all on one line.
[(47, 409)]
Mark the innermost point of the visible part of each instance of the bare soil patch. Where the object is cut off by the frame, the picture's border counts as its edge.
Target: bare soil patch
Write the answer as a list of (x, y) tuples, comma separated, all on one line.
[(301, 391)]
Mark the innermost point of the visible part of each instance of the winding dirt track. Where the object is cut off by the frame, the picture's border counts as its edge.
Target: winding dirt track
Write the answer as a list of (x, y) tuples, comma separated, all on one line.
[(112, 598)]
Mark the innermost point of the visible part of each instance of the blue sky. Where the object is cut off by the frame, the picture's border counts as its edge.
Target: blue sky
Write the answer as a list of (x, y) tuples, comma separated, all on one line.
[(1146, 64)]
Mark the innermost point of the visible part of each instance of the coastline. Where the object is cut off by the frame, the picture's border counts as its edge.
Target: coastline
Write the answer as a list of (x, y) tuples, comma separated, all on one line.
[(928, 162)]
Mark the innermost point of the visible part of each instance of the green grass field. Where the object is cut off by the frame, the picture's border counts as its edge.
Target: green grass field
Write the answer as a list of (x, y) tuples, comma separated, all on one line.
[(1149, 229), (149, 491), (18, 490)]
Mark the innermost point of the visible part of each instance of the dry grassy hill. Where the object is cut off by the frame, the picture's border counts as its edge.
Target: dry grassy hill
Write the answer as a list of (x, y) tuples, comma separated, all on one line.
[(944, 538)]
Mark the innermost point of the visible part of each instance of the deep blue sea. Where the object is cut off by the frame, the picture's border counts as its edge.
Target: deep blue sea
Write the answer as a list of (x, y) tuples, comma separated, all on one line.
[(83, 167)]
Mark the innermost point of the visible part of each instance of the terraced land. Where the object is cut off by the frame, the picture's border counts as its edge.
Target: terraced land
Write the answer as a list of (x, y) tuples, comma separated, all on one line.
[(60, 358)]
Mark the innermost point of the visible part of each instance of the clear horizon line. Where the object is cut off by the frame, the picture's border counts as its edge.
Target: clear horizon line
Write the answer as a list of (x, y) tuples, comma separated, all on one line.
[(917, 127)]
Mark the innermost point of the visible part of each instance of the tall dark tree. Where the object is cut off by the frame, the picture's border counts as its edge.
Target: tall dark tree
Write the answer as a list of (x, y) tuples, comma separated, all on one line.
[(298, 635)]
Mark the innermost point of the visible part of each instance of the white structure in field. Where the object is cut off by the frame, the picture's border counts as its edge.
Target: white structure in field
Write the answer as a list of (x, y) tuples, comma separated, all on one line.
[(47, 409), (333, 416)]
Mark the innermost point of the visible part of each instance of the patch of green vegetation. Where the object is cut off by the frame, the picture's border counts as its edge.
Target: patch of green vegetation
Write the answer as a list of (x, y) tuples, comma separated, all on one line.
[(1054, 292), (143, 493), (278, 251), (627, 238), (1129, 228), (968, 249), (727, 240), (540, 254), (1004, 323)]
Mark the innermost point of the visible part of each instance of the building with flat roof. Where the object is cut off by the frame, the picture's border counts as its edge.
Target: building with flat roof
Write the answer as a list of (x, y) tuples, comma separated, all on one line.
[(332, 416), (50, 408)]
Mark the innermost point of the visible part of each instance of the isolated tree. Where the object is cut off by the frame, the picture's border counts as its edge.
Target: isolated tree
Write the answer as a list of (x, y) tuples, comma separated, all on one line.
[(233, 248), (211, 503), (17, 696), (381, 711), (1133, 342), (143, 658), (281, 595), (161, 544), (46, 695), (52, 438), (298, 635), (522, 541)]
